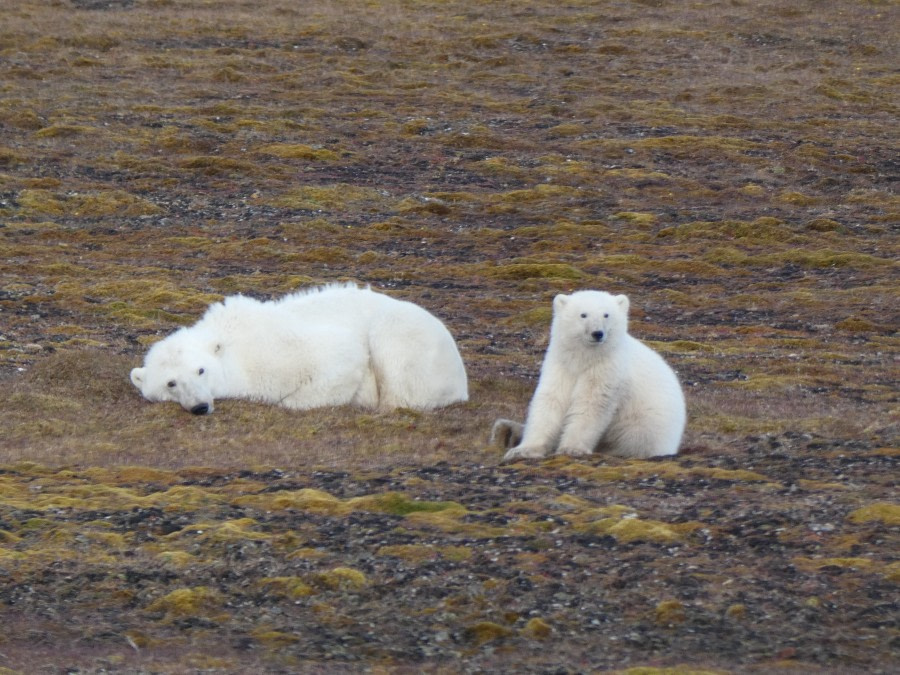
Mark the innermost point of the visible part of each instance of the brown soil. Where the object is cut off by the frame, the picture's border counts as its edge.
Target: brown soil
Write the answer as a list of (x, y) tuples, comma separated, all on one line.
[(730, 166)]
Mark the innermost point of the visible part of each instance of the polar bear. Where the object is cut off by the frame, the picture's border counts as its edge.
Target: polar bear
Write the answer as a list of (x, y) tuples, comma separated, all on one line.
[(600, 389), (329, 346)]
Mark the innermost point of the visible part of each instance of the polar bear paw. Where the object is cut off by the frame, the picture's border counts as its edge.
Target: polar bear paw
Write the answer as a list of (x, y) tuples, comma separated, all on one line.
[(574, 452), (525, 452)]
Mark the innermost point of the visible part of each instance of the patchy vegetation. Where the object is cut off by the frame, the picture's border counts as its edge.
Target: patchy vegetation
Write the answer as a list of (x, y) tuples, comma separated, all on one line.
[(730, 166)]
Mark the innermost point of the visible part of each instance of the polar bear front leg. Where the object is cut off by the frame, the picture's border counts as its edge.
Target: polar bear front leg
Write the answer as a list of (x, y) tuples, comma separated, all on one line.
[(588, 419)]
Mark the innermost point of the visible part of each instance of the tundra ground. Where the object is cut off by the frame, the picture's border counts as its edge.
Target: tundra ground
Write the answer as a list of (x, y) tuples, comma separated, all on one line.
[(730, 166)]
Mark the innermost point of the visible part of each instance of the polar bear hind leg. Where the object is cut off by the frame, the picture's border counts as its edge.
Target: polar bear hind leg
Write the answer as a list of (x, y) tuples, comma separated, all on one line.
[(415, 361)]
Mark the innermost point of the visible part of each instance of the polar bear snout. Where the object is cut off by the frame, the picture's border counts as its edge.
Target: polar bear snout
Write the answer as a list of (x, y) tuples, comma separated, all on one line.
[(200, 409), (597, 335)]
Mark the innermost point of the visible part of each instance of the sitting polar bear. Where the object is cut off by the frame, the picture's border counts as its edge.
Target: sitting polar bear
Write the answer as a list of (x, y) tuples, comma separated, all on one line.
[(328, 346), (600, 389)]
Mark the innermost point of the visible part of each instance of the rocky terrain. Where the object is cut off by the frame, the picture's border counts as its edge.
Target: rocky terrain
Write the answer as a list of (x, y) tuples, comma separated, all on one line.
[(731, 166)]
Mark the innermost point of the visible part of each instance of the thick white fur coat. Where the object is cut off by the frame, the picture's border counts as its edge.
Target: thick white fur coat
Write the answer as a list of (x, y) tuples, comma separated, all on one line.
[(600, 389), (329, 346)]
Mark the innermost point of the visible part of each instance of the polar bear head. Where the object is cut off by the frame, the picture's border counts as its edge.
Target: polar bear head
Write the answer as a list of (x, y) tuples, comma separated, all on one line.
[(183, 368), (590, 317)]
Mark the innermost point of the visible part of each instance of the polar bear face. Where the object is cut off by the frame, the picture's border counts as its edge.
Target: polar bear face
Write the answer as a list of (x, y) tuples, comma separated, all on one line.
[(176, 369), (590, 317)]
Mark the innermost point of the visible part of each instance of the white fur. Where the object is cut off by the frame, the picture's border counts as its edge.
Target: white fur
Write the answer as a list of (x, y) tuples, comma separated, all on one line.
[(330, 346), (600, 388)]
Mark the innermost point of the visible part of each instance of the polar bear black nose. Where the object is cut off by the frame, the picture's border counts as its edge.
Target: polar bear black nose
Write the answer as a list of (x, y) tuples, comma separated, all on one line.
[(597, 335), (200, 409)]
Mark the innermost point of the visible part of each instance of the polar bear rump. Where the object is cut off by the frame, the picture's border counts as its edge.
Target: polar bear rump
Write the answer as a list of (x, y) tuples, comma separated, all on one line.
[(330, 346), (600, 389)]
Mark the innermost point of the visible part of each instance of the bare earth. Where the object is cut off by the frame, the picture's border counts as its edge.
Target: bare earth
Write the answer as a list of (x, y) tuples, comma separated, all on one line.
[(730, 166)]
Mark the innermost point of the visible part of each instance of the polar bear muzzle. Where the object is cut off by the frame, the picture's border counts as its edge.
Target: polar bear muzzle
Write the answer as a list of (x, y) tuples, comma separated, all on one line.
[(200, 409)]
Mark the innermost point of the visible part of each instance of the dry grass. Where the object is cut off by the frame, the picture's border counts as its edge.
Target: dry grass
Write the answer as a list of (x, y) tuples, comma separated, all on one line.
[(728, 165)]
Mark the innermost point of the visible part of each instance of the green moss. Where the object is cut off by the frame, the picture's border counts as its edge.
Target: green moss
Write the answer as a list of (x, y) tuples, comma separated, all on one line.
[(241, 529), (753, 190), (22, 118), (737, 611), (520, 271), (298, 151), (680, 346), (339, 578), (288, 587), (213, 165), (845, 563), (883, 512), (642, 220), (64, 131), (502, 166), (854, 324), (398, 504), (670, 612), (184, 602), (892, 572), (113, 202), (737, 475), (686, 145), (486, 631), (633, 529), (816, 259), (177, 558), (676, 670), (8, 538), (329, 197), (415, 553), (539, 316), (10, 157), (566, 129), (537, 629), (273, 638), (306, 499), (538, 192), (823, 225), (797, 199)]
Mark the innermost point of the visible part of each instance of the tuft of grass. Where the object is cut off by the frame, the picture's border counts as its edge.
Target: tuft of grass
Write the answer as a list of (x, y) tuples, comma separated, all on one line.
[(484, 632), (187, 602), (670, 612), (884, 512), (342, 578), (288, 587), (298, 151), (521, 271)]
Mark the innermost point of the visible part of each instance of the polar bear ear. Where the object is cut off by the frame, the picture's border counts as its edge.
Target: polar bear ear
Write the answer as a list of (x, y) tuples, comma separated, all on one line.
[(137, 377), (560, 301), (623, 302)]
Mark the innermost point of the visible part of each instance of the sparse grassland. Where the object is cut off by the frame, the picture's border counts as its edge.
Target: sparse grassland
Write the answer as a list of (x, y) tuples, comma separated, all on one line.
[(731, 166)]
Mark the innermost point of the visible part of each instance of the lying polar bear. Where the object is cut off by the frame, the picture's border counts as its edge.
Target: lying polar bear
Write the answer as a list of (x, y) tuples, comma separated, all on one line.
[(328, 346)]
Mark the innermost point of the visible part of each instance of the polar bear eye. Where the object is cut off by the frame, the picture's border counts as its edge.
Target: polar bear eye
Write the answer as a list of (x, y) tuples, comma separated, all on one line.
[(170, 384), (200, 372), (606, 316), (584, 315)]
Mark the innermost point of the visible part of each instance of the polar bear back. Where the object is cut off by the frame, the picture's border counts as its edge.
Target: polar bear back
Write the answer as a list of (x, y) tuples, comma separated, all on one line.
[(413, 357)]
